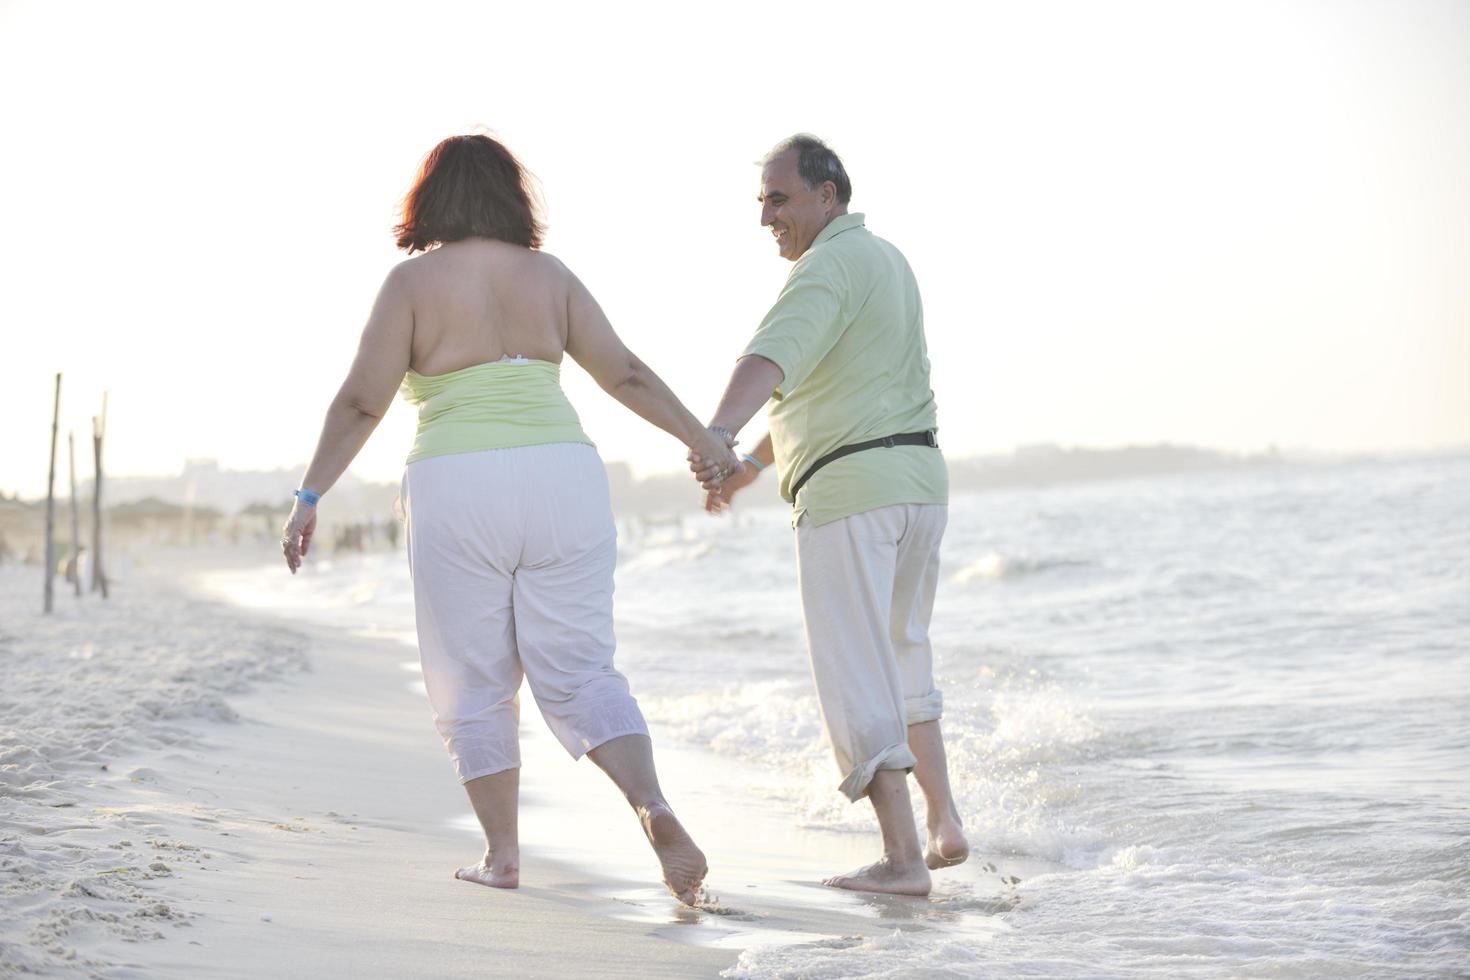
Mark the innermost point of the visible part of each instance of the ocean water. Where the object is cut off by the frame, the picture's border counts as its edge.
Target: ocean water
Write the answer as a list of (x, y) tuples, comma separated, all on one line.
[(1225, 716)]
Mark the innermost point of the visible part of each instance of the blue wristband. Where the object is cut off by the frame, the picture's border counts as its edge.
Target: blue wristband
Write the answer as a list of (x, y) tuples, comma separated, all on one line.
[(307, 497), (754, 462)]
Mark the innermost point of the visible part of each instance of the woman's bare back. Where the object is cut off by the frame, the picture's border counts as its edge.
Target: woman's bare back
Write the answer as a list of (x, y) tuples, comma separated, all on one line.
[(478, 300)]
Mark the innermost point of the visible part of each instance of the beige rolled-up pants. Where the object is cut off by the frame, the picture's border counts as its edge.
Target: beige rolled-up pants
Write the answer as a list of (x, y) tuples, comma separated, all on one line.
[(512, 554), (867, 593)]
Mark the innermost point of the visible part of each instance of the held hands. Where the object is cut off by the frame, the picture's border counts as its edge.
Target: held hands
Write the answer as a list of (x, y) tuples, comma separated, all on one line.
[(715, 450), (718, 470), (296, 535)]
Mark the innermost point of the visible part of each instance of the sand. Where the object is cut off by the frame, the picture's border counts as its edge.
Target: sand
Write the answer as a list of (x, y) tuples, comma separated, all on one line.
[(192, 789)]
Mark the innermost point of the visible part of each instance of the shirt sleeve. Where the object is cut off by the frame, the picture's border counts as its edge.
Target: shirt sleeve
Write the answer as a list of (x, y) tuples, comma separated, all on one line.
[(802, 326)]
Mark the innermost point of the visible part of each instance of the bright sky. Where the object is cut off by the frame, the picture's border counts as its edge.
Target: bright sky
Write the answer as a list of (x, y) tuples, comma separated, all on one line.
[(1227, 224)]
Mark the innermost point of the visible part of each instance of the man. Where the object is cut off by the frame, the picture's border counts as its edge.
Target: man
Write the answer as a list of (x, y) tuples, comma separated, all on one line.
[(842, 359)]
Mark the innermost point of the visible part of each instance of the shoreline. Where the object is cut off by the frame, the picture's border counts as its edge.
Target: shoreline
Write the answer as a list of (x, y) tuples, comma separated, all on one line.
[(306, 832), (1190, 768), (309, 821), (764, 884)]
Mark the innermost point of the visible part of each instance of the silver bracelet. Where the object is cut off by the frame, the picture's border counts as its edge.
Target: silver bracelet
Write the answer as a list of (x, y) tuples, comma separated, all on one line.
[(723, 433)]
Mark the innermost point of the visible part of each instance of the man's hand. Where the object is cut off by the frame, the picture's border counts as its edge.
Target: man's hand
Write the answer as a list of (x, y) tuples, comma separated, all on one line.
[(296, 535), (719, 496)]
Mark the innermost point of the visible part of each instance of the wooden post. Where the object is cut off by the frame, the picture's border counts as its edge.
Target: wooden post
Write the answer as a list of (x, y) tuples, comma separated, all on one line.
[(51, 496), (76, 534), (99, 428)]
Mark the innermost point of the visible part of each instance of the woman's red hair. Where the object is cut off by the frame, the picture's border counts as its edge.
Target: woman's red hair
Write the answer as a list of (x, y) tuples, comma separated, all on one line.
[(469, 187)]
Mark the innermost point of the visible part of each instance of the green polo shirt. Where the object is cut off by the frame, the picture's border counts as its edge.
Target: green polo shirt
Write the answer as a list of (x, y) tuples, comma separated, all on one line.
[(847, 331)]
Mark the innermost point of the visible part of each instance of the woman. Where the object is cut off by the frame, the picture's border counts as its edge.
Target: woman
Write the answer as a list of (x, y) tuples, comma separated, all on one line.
[(510, 533)]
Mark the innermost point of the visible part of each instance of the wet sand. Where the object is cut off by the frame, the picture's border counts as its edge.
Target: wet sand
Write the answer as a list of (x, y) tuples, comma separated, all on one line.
[(310, 825)]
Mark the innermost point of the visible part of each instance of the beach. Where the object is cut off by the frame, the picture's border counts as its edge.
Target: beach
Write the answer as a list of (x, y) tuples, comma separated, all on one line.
[(1207, 725), (253, 798), (302, 828)]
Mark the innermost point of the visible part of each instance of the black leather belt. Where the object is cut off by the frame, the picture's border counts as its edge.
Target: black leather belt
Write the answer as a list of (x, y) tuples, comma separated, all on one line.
[(887, 442)]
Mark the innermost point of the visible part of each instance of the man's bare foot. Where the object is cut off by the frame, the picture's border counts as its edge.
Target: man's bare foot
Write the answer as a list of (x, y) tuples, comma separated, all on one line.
[(947, 846), (885, 876), (683, 863), (503, 873)]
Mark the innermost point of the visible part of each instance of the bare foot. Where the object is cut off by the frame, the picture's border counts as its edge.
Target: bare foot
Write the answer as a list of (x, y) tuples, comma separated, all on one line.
[(947, 846), (505, 873), (885, 876), (683, 863)]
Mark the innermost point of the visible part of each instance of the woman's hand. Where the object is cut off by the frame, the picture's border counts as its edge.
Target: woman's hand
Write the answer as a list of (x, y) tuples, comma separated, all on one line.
[(296, 535)]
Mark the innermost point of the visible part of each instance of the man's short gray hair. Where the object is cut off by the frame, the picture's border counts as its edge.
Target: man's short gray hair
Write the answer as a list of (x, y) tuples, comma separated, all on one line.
[(815, 163)]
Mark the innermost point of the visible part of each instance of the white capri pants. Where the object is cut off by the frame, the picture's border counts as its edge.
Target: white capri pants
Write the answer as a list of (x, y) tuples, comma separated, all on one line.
[(867, 593), (512, 554)]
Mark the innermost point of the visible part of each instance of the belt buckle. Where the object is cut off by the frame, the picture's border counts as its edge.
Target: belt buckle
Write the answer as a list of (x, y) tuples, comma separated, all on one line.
[(932, 438)]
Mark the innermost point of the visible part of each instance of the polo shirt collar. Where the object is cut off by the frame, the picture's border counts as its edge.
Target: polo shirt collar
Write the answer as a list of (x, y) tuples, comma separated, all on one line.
[(839, 224)]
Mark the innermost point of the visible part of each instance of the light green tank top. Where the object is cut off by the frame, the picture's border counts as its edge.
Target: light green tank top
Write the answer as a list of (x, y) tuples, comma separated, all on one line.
[(496, 405)]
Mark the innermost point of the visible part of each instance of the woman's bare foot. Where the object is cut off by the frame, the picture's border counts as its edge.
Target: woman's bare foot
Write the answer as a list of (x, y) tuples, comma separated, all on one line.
[(947, 846), (502, 873), (683, 863), (885, 876)]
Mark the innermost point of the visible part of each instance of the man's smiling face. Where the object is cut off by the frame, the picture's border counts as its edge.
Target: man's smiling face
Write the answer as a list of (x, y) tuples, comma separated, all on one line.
[(794, 212)]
